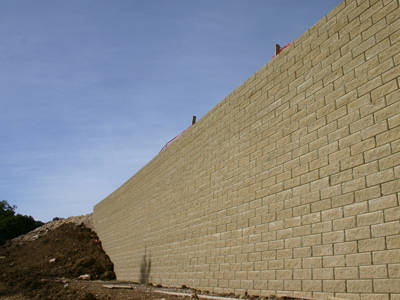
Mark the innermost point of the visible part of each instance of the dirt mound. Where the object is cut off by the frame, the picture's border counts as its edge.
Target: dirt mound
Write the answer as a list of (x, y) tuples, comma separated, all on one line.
[(45, 264), (86, 220), (58, 250)]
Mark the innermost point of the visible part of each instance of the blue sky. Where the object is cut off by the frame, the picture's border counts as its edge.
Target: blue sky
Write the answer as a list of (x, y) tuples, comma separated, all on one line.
[(91, 90)]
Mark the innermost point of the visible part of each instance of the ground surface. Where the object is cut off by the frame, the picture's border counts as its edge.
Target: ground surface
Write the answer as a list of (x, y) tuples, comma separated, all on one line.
[(46, 264)]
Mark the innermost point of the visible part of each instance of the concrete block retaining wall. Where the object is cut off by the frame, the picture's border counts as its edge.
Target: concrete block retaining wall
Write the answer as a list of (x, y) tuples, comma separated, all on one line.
[(291, 184)]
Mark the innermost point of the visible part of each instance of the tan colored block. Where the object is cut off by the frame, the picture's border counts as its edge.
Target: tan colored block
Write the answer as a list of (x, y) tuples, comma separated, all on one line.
[(338, 113), (377, 48), (370, 218), (258, 284), (346, 273), (284, 233), (374, 106), (386, 257), (333, 237), (363, 146), (386, 229), (346, 98), (352, 161), (302, 274), (284, 274), (334, 261), (322, 250), (361, 124), (246, 284), (387, 285), (303, 169), (395, 146), (388, 136), (387, 111), (365, 169), (359, 286), (358, 233), (275, 285), (356, 209), (394, 270), (347, 119), (345, 248), (311, 218), (302, 252), (241, 275), (382, 203), (292, 285), (378, 153), (380, 177), (392, 98), (293, 263), (309, 177), (360, 81), (375, 296), (377, 271), (323, 273), (341, 177), (366, 87), (393, 242), (394, 121), (293, 242), (332, 214), (312, 285), (397, 171), (344, 223), (275, 264), (312, 262), (340, 155), (302, 231), (301, 210), (361, 259), (388, 87), (358, 104), (350, 140), (321, 227), (325, 172), (368, 193), (321, 205), (391, 187), (336, 286), (284, 254), (312, 240), (392, 214), (234, 284), (353, 185), (292, 222), (318, 163), (371, 245)]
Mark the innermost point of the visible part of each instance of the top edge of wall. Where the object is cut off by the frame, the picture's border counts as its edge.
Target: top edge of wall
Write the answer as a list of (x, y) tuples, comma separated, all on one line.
[(273, 63), (277, 60)]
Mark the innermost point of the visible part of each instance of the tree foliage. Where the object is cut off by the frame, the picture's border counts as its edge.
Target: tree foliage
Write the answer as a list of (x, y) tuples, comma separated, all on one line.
[(13, 225)]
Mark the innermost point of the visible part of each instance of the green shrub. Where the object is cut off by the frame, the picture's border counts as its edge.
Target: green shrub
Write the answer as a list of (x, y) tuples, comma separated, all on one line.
[(13, 225)]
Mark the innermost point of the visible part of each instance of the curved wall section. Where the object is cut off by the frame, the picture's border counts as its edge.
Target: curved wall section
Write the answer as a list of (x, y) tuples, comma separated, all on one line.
[(290, 185)]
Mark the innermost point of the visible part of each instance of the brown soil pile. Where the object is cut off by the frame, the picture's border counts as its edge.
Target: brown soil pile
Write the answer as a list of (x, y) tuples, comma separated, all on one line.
[(68, 251), (45, 264)]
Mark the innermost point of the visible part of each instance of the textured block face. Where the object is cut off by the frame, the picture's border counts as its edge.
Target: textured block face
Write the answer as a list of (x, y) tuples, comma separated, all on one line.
[(290, 185)]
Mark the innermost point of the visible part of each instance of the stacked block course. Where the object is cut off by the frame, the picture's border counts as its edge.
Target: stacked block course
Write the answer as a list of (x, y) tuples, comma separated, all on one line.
[(290, 185)]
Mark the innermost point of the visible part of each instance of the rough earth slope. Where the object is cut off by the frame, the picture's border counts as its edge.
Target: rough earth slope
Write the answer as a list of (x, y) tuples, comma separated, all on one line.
[(47, 263), (59, 249)]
